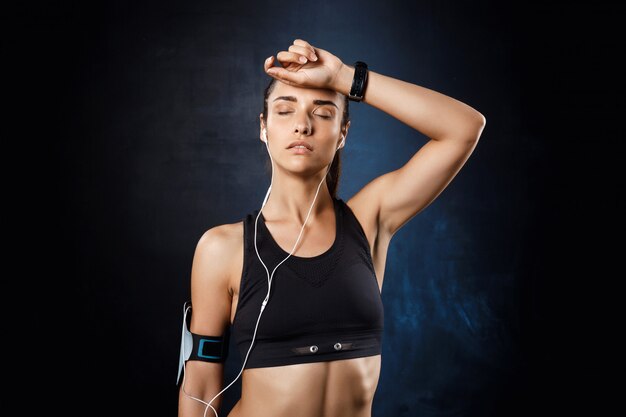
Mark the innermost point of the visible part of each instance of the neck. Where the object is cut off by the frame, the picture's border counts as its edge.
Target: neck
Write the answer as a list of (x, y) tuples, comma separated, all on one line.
[(291, 198)]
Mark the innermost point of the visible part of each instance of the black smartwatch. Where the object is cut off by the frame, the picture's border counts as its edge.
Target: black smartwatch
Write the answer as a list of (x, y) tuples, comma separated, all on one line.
[(359, 82)]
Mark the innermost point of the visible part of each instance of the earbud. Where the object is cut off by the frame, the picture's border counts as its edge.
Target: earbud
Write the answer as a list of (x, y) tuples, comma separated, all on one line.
[(343, 140), (265, 135)]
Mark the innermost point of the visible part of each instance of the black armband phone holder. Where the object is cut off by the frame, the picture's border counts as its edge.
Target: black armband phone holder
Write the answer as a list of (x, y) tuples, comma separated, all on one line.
[(199, 347)]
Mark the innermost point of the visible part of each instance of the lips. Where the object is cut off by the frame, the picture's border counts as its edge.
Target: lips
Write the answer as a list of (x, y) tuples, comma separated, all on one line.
[(300, 143)]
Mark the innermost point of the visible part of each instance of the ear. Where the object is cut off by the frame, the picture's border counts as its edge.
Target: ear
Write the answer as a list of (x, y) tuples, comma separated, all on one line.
[(344, 133), (345, 129), (263, 130)]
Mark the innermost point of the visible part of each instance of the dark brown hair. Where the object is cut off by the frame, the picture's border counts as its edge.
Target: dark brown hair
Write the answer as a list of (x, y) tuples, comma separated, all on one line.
[(332, 178)]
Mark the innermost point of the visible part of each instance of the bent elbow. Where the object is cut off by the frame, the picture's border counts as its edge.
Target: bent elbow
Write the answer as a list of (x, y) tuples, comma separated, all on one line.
[(479, 126), (482, 121)]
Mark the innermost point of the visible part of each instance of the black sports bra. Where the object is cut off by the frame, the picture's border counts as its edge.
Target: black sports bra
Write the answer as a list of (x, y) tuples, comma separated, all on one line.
[(321, 308)]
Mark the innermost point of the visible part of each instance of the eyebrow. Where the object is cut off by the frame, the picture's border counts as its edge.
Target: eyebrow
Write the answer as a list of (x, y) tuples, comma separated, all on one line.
[(317, 101)]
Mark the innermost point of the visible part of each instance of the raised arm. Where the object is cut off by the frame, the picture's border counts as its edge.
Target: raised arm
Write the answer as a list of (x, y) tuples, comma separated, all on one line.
[(211, 304), (453, 127)]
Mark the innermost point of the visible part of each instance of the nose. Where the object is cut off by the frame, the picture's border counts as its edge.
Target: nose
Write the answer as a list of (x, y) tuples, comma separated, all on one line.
[(302, 126)]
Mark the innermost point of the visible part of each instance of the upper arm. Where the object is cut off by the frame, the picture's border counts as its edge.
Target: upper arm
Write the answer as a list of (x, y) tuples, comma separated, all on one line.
[(210, 296), (210, 316), (401, 194)]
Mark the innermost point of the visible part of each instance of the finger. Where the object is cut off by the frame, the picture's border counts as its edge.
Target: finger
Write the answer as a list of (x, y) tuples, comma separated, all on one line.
[(269, 67), (268, 63), (302, 50), (305, 44), (286, 76), (284, 56)]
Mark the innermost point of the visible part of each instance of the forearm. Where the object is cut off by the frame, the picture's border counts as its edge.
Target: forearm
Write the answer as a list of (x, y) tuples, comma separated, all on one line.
[(188, 407), (435, 115), (203, 380)]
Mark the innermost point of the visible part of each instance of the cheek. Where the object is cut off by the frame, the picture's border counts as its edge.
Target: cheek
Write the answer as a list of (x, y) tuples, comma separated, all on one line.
[(334, 129), (277, 122)]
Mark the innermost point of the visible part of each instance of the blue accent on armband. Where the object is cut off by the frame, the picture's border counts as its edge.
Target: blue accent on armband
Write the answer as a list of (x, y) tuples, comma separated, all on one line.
[(201, 349)]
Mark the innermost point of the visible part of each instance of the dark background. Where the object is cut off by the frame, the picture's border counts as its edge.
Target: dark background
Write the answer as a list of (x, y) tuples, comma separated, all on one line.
[(132, 128)]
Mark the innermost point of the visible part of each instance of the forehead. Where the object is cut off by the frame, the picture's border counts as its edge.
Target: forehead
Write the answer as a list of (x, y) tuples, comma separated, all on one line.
[(302, 94)]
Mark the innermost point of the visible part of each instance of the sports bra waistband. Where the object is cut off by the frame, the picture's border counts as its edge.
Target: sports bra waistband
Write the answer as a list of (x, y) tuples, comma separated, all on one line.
[(316, 348)]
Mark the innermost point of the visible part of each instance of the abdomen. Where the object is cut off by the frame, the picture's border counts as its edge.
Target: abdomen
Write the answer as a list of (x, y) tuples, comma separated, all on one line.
[(342, 388)]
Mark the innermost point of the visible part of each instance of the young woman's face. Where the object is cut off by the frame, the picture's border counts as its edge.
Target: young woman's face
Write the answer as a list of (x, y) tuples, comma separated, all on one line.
[(310, 115)]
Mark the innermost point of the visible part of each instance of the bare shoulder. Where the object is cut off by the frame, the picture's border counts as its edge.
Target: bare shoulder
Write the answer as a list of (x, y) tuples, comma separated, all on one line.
[(222, 238), (222, 247)]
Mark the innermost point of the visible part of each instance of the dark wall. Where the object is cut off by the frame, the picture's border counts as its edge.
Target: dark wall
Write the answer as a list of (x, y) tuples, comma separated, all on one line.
[(141, 122)]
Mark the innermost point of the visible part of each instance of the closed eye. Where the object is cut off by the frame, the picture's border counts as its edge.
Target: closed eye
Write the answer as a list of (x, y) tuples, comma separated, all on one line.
[(287, 112)]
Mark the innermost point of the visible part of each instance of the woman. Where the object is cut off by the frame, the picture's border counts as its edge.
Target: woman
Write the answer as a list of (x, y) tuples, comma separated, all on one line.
[(315, 350)]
